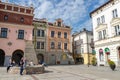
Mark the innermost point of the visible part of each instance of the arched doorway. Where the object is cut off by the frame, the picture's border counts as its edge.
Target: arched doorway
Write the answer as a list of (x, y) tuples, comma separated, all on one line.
[(2, 57), (40, 58), (101, 55), (107, 52), (17, 55), (119, 54)]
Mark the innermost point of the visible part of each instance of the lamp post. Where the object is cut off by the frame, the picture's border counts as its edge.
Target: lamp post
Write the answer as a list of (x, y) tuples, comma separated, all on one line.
[(73, 47), (88, 48)]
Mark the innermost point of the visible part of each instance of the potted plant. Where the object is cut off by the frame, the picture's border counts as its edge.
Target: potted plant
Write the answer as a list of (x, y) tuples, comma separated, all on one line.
[(112, 64), (94, 61)]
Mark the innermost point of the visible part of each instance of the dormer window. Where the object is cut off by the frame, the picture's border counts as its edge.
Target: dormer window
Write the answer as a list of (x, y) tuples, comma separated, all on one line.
[(6, 17), (59, 24), (22, 19)]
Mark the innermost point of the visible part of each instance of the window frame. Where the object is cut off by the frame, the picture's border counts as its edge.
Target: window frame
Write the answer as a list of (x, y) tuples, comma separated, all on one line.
[(65, 46), (59, 45), (21, 33), (4, 32), (65, 36), (52, 45), (52, 34), (5, 17)]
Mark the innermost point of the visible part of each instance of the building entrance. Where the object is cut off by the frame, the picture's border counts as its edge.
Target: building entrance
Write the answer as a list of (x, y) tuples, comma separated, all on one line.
[(119, 54), (17, 55), (40, 58), (2, 57)]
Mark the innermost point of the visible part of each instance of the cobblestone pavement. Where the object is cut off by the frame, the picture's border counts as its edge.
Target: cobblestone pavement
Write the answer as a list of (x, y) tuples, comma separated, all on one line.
[(67, 72)]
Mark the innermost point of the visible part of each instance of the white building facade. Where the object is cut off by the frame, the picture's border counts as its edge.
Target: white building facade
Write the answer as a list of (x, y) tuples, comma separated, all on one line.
[(82, 46), (106, 30)]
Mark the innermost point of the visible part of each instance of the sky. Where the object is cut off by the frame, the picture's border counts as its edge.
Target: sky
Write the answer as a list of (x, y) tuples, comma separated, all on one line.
[(74, 13)]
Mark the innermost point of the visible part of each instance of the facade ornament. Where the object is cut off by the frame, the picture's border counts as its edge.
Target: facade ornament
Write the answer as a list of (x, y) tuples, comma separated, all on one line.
[(9, 43)]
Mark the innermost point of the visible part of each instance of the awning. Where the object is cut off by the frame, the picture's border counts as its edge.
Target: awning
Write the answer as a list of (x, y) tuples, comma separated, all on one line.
[(93, 52)]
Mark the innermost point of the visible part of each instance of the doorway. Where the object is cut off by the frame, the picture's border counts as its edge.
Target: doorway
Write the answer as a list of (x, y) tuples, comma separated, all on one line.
[(40, 58), (2, 57), (119, 54), (17, 55)]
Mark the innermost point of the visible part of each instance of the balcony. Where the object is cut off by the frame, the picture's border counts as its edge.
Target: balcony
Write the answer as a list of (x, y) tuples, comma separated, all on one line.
[(115, 21), (101, 27), (108, 41)]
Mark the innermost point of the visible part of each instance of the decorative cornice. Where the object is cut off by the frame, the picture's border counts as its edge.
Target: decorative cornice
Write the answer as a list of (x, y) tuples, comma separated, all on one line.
[(115, 21), (101, 27), (16, 12), (15, 25)]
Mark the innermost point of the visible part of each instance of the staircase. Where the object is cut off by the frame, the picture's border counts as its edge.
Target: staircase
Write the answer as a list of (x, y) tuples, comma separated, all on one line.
[(70, 57), (30, 54)]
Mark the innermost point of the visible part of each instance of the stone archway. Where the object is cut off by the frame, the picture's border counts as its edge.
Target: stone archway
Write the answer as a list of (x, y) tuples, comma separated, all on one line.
[(119, 53), (2, 57), (40, 58), (17, 55)]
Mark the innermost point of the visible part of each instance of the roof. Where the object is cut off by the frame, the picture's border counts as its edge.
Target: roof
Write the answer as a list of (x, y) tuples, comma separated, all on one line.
[(84, 30), (101, 7)]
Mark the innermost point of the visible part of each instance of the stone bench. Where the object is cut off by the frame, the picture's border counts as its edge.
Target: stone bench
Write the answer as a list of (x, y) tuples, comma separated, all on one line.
[(37, 69)]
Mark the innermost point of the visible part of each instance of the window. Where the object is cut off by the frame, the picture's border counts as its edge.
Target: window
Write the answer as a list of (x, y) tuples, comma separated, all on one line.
[(104, 34), (103, 19), (82, 50), (38, 44), (65, 35), (33, 32), (59, 45), (59, 24), (114, 13), (4, 32), (117, 30), (6, 17), (42, 45), (38, 33), (20, 34), (59, 34), (52, 33), (21, 19), (100, 35), (65, 46), (52, 45), (43, 33), (98, 21)]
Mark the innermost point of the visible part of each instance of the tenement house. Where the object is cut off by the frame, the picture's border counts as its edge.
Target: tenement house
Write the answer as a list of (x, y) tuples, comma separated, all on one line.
[(16, 33), (39, 39), (59, 43), (81, 48), (106, 29)]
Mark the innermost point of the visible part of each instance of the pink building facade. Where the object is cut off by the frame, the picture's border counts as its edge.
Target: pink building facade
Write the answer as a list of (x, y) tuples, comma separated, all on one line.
[(15, 30)]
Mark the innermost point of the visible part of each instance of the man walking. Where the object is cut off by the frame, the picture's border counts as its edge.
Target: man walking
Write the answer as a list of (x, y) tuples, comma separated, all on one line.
[(21, 66)]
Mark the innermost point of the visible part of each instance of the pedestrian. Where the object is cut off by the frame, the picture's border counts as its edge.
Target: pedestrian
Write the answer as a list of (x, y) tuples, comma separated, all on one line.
[(31, 63), (21, 66), (9, 65), (13, 63), (44, 64)]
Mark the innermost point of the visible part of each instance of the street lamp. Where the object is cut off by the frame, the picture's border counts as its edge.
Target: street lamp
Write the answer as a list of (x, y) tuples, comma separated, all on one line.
[(73, 47)]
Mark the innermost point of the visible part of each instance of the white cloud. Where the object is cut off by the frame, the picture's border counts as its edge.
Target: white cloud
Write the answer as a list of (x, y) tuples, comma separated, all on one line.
[(71, 11)]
